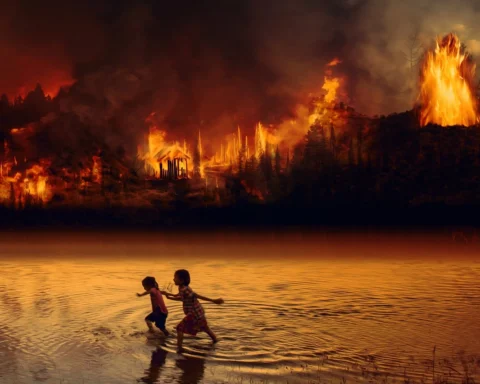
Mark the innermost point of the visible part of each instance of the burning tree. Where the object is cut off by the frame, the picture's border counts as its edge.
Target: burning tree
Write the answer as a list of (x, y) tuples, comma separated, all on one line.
[(447, 89)]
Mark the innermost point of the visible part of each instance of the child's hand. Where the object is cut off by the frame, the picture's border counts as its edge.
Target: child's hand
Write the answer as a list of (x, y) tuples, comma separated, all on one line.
[(139, 294), (164, 293), (218, 301)]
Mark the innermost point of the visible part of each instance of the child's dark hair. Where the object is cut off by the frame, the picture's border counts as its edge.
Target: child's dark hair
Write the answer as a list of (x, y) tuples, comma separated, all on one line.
[(183, 275), (150, 282)]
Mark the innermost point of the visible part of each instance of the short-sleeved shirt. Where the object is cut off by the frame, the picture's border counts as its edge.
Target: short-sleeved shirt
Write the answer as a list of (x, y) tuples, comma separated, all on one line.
[(157, 301), (191, 305)]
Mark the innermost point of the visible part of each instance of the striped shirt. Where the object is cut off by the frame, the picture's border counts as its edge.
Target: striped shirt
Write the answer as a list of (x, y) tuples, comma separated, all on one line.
[(191, 305)]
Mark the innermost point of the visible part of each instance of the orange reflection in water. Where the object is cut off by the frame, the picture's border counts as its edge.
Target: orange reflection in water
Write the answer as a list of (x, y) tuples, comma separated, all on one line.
[(74, 301)]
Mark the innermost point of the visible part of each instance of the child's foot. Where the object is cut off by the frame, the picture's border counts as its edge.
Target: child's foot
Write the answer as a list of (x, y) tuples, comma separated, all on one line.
[(166, 333), (151, 330)]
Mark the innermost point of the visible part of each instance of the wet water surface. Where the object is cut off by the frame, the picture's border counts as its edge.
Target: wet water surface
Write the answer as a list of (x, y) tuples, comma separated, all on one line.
[(305, 320)]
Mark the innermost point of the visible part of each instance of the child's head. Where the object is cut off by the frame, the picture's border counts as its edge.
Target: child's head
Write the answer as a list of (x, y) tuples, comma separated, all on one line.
[(181, 277), (149, 282)]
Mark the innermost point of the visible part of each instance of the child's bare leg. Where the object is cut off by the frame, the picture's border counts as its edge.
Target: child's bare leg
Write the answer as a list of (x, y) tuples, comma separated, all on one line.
[(211, 334), (179, 341), (150, 326), (161, 325), (165, 332)]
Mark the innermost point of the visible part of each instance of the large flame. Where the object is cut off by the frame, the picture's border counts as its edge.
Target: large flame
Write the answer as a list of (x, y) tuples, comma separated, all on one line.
[(156, 142), (324, 110), (447, 85), (161, 155)]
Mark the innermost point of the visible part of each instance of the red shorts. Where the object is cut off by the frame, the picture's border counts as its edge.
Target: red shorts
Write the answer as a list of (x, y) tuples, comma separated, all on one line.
[(191, 325)]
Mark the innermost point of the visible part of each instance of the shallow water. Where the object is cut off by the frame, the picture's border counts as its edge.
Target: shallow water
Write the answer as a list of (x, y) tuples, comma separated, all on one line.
[(77, 320)]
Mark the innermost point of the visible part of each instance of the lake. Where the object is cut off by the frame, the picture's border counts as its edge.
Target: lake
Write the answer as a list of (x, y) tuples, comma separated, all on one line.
[(299, 309)]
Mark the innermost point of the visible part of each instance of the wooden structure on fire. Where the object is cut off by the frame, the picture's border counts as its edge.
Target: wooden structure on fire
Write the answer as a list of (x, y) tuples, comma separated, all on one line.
[(173, 162)]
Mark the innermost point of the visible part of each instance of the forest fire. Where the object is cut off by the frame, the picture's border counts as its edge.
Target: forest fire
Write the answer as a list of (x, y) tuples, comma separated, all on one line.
[(447, 94), (37, 174), (322, 110), (31, 187), (236, 149)]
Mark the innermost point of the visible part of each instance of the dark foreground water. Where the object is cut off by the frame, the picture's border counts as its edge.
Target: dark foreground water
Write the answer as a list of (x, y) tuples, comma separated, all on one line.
[(69, 314)]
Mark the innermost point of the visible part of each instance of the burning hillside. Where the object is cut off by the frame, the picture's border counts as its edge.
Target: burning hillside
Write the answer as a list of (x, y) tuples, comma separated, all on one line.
[(324, 109), (68, 152), (67, 149)]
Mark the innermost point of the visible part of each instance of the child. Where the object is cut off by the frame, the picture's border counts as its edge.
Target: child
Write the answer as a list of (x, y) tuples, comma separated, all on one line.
[(195, 320), (159, 310)]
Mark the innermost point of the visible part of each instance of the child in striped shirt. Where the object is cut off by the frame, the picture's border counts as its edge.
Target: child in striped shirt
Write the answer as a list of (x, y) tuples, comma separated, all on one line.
[(194, 320)]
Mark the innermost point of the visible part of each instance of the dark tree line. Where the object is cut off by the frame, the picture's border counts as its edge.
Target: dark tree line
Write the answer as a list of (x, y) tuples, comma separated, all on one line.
[(394, 161), (22, 111)]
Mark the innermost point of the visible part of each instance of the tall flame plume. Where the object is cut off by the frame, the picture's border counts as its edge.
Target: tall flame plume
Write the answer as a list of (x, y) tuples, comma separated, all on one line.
[(447, 94)]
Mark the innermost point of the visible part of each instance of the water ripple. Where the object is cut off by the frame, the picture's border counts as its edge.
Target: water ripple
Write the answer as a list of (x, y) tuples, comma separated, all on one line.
[(71, 315)]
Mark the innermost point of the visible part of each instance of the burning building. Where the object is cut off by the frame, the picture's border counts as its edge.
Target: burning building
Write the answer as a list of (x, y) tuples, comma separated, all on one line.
[(172, 162)]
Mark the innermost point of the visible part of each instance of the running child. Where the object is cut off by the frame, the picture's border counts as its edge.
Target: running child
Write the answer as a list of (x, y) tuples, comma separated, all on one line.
[(159, 310), (194, 320)]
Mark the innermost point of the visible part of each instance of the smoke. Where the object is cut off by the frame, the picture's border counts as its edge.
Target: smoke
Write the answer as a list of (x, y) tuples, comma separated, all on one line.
[(374, 39), (215, 65)]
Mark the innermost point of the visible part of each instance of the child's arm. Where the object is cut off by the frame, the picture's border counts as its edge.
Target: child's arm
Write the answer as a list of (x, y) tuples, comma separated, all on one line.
[(147, 291), (216, 301), (171, 296)]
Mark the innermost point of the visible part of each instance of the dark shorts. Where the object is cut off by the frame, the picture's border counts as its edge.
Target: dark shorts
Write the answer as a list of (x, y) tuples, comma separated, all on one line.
[(157, 317)]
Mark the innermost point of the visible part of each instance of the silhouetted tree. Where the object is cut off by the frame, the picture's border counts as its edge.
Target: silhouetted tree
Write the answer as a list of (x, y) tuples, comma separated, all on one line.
[(242, 158), (266, 164), (315, 149), (415, 49), (278, 159), (333, 142)]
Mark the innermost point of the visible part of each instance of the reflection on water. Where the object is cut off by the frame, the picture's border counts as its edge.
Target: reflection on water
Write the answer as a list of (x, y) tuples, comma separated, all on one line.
[(294, 319), (152, 374), (192, 369)]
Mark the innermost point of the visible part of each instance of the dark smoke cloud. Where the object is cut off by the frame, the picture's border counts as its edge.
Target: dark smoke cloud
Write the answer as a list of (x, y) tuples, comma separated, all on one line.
[(370, 36), (211, 65)]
